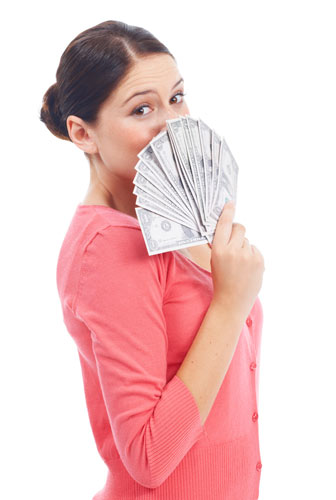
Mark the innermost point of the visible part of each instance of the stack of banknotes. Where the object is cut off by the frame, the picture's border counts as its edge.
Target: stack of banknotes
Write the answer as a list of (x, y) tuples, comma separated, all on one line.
[(183, 179)]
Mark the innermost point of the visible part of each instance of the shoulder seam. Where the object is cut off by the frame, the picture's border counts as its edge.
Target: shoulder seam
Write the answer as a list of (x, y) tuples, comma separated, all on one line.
[(93, 236), (119, 224), (91, 239)]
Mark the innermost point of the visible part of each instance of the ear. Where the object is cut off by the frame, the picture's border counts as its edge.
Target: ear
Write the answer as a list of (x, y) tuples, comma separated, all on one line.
[(80, 134)]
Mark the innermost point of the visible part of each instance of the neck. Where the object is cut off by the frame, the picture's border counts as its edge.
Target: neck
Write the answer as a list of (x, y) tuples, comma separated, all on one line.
[(112, 191)]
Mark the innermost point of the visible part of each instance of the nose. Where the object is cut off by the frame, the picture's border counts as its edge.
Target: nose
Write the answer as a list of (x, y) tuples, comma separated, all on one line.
[(168, 114)]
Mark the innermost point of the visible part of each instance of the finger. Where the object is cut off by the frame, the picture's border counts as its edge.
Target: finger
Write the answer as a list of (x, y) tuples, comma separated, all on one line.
[(237, 236), (224, 225), (247, 245)]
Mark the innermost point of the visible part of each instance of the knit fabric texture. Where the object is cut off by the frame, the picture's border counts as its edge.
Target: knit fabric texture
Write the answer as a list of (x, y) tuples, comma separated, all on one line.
[(133, 318)]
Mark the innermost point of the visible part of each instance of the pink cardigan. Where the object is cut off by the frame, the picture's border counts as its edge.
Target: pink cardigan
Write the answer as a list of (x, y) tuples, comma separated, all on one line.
[(133, 318)]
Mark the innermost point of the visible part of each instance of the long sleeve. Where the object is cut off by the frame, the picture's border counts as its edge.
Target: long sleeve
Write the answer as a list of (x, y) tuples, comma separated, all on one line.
[(119, 298)]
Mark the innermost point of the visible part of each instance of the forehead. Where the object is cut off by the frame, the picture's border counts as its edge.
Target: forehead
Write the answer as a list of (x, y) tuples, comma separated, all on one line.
[(147, 72)]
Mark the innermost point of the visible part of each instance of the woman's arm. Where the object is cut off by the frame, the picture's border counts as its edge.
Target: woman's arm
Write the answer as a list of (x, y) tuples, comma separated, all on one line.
[(209, 357)]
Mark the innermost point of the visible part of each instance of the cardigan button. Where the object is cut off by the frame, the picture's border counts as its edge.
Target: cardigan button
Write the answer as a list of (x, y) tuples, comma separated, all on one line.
[(258, 467), (249, 322), (253, 366), (255, 416)]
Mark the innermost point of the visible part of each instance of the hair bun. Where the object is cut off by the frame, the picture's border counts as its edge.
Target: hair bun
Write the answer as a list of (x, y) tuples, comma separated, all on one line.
[(50, 113)]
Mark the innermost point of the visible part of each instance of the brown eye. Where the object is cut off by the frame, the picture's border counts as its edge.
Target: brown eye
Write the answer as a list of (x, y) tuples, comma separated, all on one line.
[(134, 112), (181, 94)]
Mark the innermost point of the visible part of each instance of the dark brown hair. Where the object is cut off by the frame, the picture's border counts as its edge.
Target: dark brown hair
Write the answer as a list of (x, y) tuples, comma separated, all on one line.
[(90, 68)]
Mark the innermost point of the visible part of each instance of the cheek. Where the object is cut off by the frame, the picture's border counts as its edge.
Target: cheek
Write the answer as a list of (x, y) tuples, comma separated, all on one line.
[(132, 139), (139, 138), (128, 141)]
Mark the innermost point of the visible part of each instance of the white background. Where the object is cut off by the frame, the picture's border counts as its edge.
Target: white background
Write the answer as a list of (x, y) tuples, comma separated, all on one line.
[(262, 74)]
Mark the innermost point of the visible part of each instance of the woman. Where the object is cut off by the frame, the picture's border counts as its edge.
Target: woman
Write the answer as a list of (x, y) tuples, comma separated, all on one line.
[(168, 344)]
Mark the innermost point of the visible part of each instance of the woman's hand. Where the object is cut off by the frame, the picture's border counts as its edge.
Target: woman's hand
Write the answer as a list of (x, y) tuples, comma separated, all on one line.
[(237, 266)]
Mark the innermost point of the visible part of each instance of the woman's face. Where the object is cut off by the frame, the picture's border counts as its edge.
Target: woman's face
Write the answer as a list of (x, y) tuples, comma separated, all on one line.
[(126, 123)]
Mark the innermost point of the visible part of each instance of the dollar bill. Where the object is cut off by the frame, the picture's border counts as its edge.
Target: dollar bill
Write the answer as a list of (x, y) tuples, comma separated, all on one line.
[(183, 179)]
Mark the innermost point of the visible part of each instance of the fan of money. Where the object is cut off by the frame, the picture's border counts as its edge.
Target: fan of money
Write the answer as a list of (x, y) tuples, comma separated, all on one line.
[(183, 179)]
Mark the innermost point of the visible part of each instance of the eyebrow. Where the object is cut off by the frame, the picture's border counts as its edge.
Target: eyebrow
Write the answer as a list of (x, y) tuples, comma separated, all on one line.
[(147, 91)]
